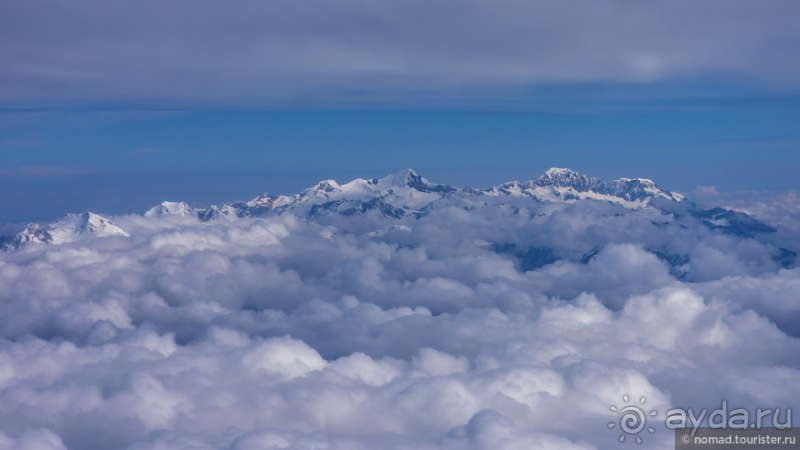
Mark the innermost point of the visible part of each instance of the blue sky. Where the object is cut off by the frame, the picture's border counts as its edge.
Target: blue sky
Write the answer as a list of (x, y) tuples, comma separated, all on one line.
[(124, 161), (116, 107)]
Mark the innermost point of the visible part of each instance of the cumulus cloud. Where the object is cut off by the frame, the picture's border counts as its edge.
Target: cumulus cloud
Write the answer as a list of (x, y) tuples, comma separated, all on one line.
[(363, 332), (351, 52)]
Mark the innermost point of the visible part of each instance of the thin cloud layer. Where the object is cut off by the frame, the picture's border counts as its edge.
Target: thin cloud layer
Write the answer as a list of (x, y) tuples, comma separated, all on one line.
[(511, 324), (353, 52)]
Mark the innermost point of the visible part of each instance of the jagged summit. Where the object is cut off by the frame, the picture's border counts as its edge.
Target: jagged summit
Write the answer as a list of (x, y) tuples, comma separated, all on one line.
[(409, 178), (647, 181), (171, 209), (554, 172), (68, 229), (558, 176), (569, 184), (569, 177), (325, 186), (405, 177), (90, 222)]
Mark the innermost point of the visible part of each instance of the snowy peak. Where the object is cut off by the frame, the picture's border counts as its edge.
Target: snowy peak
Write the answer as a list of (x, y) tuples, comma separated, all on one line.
[(562, 173), (68, 229), (560, 177), (569, 184), (213, 212), (408, 178), (34, 233), (634, 189), (181, 209), (98, 225), (642, 181), (403, 178), (324, 186)]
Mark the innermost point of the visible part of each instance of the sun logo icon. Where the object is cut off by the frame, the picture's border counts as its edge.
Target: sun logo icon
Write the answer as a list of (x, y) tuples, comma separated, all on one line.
[(631, 419)]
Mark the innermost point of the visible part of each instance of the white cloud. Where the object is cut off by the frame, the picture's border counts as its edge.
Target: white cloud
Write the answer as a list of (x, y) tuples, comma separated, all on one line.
[(361, 333)]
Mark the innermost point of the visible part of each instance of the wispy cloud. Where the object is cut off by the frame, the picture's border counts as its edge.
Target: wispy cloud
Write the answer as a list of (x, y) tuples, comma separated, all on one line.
[(351, 52)]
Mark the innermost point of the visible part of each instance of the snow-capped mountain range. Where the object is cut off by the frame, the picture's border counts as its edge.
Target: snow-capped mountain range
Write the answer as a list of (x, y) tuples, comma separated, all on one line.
[(565, 184), (399, 195), (406, 192)]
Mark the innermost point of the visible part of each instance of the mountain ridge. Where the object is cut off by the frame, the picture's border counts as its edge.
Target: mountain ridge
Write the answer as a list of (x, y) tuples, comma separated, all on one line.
[(406, 193)]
